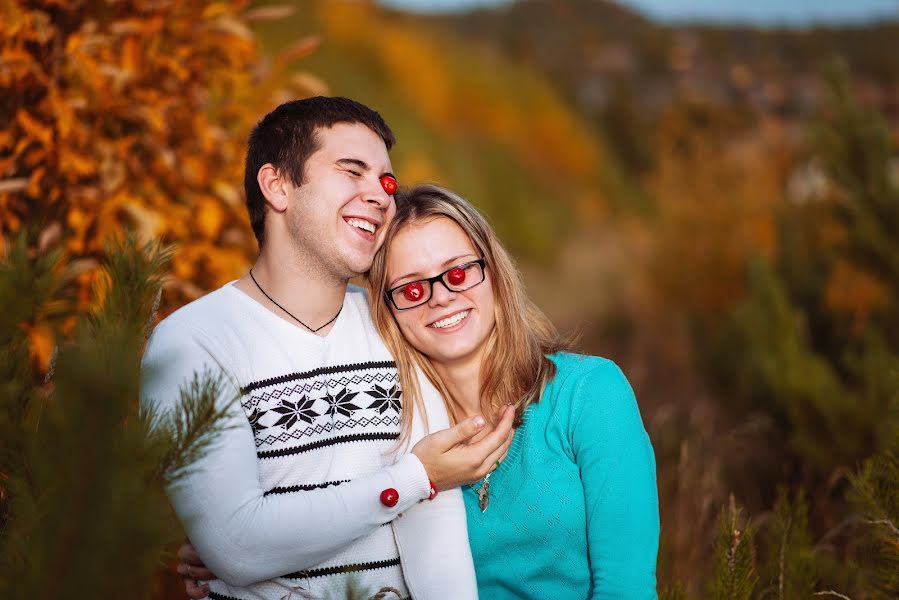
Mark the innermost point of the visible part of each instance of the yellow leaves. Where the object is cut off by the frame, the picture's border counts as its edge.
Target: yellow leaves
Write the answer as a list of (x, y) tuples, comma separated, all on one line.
[(210, 216), (35, 128), (136, 122), (269, 13), (76, 165), (42, 344), (147, 224), (299, 49), (143, 27), (12, 17), (217, 9), (34, 182), (227, 192), (194, 170), (307, 84), (426, 74), (15, 64), (131, 57), (231, 26)]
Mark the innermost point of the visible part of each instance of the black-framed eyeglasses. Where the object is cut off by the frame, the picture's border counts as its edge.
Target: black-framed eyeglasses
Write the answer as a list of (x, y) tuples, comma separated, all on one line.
[(455, 279)]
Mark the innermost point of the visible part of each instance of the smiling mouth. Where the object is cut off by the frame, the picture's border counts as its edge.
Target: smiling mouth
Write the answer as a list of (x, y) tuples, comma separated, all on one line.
[(362, 224), (450, 320)]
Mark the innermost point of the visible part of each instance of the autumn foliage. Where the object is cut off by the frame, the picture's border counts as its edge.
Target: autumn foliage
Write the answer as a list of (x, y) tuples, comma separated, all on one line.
[(133, 115)]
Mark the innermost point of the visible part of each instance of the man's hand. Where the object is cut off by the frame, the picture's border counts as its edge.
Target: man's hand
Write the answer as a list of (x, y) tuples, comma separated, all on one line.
[(193, 572), (451, 459)]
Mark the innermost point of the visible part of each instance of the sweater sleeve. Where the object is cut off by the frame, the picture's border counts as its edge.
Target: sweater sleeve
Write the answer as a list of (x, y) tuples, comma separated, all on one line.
[(432, 537), (617, 467), (242, 535)]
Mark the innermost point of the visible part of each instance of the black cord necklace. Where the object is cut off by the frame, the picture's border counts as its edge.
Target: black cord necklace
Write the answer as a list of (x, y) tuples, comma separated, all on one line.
[(334, 318)]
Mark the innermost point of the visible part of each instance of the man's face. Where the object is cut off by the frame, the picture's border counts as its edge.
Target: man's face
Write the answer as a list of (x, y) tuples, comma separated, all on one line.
[(337, 219)]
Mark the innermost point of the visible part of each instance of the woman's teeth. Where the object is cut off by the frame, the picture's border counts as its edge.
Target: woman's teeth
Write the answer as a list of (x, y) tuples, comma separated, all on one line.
[(451, 320), (361, 224)]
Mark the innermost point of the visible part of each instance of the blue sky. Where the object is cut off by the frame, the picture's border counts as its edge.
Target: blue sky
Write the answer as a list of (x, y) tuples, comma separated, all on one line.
[(792, 12)]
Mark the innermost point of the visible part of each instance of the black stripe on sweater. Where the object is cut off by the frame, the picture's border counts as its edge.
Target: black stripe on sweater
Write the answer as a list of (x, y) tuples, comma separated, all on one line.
[(341, 439), (383, 364), (303, 488), (339, 569)]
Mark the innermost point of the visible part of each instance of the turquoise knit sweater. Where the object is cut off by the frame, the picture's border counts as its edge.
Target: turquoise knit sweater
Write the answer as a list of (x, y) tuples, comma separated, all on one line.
[(573, 508)]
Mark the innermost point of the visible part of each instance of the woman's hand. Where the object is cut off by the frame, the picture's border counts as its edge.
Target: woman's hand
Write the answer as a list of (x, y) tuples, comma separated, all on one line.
[(451, 460), (193, 572)]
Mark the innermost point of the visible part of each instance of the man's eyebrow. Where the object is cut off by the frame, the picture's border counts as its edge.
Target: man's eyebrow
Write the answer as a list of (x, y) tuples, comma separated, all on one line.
[(417, 275), (361, 165), (353, 162)]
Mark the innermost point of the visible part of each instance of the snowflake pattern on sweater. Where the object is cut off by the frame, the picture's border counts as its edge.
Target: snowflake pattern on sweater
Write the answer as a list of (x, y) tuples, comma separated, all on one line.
[(314, 405)]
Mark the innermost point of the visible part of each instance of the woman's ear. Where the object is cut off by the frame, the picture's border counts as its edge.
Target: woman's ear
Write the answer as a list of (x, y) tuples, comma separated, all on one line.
[(274, 187)]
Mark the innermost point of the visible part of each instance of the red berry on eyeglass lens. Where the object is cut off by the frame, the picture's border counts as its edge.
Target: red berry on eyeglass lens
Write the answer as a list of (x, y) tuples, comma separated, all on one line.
[(389, 184), (456, 276), (413, 291)]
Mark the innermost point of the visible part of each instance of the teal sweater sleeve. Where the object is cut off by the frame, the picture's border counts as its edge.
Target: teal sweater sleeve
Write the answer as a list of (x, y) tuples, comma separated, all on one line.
[(617, 467)]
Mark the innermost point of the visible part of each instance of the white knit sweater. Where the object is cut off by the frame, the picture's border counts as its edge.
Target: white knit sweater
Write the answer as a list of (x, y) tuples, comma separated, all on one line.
[(289, 498)]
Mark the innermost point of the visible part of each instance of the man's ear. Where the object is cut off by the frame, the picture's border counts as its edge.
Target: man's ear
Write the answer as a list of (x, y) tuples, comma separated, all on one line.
[(274, 186)]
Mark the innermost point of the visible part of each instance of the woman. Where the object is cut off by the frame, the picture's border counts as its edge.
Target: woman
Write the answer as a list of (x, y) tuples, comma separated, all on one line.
[(572, 510)]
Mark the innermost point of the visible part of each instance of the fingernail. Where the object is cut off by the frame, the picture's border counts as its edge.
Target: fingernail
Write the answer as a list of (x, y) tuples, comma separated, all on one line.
[(479, 421)]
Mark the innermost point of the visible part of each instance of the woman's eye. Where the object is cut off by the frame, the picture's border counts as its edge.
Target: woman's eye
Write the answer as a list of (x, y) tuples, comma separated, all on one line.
[(456, 276), (413, 291)]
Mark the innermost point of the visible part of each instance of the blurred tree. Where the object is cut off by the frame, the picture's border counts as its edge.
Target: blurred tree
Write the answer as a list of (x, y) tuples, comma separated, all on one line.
[(818, 336), (735, 577), (789, 570), (715, 185), (83, 513), (876, 494)]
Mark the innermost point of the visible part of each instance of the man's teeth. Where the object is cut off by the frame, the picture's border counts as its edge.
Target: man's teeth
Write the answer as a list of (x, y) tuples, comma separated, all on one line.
[(451, 320), (361, 224)]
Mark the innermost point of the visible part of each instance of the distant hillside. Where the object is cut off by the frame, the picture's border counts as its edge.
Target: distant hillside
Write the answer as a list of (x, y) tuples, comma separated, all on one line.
[(493, 129), (621, 70)]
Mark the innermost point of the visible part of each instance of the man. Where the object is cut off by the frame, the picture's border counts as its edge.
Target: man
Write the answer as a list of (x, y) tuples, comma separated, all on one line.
[(295, 497)]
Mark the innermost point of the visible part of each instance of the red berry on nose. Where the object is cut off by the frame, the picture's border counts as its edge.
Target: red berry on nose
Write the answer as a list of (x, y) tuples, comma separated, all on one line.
[(413, 291), (389, 184), (456, 276)]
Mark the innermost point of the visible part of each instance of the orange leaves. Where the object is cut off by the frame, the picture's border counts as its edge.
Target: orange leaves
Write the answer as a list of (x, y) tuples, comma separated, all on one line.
[(41, 345), (34, 129), (132, 115)]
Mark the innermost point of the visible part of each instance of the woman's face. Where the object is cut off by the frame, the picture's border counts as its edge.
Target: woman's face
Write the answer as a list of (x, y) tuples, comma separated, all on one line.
[(451, 328)]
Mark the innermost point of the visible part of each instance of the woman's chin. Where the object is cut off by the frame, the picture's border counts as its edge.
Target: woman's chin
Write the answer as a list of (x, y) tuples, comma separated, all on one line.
[(449, 351)]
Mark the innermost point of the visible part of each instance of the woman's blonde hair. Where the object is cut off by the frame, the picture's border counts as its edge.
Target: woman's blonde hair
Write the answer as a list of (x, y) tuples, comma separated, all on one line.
[(516, 367)]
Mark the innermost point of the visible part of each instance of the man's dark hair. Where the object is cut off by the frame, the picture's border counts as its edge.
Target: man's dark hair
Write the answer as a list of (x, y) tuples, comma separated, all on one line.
[(288, 136)]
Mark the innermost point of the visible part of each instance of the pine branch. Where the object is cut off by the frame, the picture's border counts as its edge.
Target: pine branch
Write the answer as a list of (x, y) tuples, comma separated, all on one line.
[(735, 577), (875, 490), (790, 567), (83, 494), (185, 434), (129, 285)]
